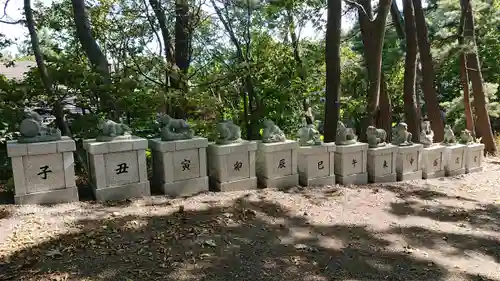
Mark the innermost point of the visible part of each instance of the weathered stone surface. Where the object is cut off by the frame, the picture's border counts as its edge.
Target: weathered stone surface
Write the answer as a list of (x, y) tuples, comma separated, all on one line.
[(43, 172), (179, 166), (455, 159), (382, 163), (474, 157), (274, 161), (316, 164), (350, 163), (231, 165), (433, 162), (118, 166), (409, 162)]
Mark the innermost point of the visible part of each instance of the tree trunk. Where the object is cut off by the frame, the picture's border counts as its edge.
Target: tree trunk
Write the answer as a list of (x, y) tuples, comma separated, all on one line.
[(428, 76), (410, 77), (247, 83), (93, 52), (300, 65), (384, 120), (44, 74), (476, 78), (332, 54), (182, 47), (373, 33), (397, 20), (464, 78)]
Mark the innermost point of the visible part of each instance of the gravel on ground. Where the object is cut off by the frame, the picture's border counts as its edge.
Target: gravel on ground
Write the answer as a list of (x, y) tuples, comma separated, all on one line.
[(439, 229)]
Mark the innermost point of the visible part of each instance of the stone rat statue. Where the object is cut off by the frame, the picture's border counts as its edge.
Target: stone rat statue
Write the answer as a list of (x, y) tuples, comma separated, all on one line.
[(33, 130), (110, 130)]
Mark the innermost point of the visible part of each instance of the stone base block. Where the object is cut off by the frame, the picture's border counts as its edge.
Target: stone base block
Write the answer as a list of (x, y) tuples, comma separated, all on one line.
[(237, 185), (382, 163), (186, 187), (351, 163), (385, 178), (328, 180), (456, 157), (433, 175), (361, 178), (122, 192), (316, 164), (457, 172), (65, 195), (473, 170), (417, 175), (474, 157), (280, 182), (433, 161)]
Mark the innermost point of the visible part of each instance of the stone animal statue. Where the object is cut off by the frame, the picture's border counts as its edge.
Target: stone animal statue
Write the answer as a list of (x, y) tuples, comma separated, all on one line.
[(110, 130), (466, 137), (174, 129), (33, 130), (449, 136), (426, 134), (308, 135), (376, 137), (401, 136), (272, 133), (228, 132), (345, 135)]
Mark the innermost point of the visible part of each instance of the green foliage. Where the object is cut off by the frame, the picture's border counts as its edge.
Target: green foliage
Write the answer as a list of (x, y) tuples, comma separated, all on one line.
[(128, 33), (455, 116)]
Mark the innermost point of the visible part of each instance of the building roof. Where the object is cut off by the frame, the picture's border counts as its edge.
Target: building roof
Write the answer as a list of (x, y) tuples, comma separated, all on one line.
[(18, 70)]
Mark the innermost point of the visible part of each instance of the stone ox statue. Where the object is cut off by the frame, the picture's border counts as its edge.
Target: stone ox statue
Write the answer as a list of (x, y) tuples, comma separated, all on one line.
[(110, 130)]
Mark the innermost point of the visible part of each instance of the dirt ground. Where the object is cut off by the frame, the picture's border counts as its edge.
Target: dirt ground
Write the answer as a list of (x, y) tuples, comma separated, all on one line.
[(441, 229)]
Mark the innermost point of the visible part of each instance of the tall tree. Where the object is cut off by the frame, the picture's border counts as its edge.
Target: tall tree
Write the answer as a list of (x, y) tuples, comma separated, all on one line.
[(412, 112), (476, 78), (57, 109), (243, 55), (428, 76), (332, 53), (373, 34), (464, 78), (94, 54)]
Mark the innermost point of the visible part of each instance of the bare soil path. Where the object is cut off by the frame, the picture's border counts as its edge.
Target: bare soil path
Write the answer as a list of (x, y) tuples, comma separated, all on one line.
[(441, 229)]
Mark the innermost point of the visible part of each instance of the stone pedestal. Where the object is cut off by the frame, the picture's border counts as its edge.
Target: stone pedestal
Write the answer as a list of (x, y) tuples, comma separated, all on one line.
[(455, 159), (118, 168), (43, 172), (350, 163), (433, 161), (180, 166), (231, 167), (276, 165), (409, 162), (316, 164), (382, 163), (474, 157)]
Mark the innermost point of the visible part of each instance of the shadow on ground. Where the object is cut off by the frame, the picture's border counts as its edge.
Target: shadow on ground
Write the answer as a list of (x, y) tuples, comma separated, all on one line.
[(245, 240)]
